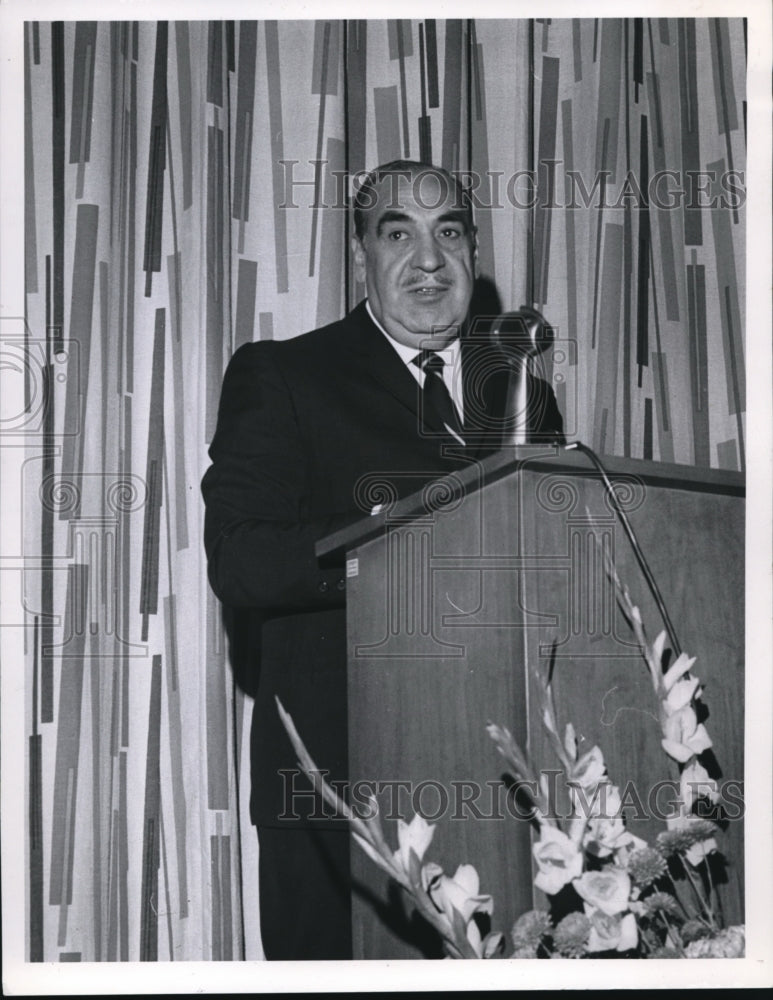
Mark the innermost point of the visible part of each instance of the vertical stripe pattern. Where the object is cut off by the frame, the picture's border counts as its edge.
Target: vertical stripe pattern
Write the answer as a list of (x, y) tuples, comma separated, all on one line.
[(186, 191)]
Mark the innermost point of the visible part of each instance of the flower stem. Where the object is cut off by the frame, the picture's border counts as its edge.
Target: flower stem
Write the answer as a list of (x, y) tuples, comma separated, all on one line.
[(699, 895), (714, 895), (646, 936), (672, 934), (677, 896)]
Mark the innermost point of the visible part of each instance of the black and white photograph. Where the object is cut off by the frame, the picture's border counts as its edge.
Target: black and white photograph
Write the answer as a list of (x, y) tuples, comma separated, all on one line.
[(386, 497)]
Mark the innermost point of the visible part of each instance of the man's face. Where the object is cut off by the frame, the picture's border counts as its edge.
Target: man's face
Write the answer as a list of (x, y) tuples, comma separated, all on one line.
[(418, 259)]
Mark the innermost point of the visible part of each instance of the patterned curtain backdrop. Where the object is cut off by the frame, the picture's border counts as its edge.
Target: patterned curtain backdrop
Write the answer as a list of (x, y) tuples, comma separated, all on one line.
[(185, 193)]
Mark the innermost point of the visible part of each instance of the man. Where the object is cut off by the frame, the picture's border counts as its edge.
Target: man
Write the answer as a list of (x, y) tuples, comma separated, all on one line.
[(301, 422)]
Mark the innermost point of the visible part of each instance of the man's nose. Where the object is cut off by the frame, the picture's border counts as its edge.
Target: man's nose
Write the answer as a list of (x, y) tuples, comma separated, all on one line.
[(427, 255)]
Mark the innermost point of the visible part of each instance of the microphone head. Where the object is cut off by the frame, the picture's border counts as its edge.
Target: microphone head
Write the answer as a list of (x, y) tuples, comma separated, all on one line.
[(521, 334)]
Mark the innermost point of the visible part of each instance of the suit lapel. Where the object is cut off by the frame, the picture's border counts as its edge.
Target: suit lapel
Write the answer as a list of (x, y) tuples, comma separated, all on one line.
[(377, 361)]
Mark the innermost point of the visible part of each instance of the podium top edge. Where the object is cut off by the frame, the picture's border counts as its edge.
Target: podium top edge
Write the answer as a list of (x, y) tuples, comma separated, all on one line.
[(551, 457)]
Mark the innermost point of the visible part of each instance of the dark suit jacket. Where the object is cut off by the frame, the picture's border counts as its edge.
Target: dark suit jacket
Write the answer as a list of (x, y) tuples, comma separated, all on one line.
[(301, 422)]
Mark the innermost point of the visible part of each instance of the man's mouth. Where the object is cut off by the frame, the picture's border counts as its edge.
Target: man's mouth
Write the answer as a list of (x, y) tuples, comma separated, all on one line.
[(429, 292)]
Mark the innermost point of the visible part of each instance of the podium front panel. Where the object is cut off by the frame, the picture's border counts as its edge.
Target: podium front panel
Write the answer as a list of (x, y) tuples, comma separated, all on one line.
[(450, 612)]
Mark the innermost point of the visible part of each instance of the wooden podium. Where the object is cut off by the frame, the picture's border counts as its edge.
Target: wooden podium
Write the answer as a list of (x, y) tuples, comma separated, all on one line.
[(454, 592)]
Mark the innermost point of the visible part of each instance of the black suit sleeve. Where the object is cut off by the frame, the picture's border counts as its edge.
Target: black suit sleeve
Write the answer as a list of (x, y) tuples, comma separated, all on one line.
[(257, 534)]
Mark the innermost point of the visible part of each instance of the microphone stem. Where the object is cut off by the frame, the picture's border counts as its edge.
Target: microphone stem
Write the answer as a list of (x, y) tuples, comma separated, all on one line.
[(516, 405)]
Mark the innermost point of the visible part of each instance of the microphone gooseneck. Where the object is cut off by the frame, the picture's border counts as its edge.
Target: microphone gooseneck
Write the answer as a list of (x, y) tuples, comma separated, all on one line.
[(517, 337)]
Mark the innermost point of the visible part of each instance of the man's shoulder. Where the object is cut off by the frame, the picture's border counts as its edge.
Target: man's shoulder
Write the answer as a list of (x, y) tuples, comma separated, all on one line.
[(320, 344)]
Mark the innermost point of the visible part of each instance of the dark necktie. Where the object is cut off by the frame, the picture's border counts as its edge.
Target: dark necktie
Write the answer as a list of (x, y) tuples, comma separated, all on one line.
[(435, 392)]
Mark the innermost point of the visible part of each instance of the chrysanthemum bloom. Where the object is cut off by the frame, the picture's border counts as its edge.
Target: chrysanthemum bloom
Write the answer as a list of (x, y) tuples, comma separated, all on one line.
[(646, 865), (571, 935), (662, 901), (699, 829), (694, 930), (673, 842), (729, 943), (529, 929), (690, 836)]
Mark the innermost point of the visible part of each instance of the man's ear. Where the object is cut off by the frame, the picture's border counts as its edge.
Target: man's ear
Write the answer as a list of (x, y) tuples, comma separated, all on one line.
[(358, 255), (475, 262)]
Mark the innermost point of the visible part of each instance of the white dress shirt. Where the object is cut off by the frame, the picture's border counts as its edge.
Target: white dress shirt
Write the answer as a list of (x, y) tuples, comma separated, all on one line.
[(452, 368)]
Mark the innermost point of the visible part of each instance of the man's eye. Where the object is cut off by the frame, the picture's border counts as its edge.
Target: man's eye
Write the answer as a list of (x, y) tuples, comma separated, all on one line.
[(397, 235), (451, 234)]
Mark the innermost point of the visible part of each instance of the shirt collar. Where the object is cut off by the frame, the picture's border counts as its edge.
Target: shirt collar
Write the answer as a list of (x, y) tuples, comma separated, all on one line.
[(449, 353)]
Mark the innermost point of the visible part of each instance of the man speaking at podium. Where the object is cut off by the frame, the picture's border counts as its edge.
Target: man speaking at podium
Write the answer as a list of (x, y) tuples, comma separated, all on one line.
[(384, 392)]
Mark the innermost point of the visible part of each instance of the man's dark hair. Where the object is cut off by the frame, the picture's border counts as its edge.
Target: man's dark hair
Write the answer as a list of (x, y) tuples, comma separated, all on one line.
[(365, 198)]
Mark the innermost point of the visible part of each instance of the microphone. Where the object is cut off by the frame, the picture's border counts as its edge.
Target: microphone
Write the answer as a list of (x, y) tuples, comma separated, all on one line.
[(521, 335), (517, 337)]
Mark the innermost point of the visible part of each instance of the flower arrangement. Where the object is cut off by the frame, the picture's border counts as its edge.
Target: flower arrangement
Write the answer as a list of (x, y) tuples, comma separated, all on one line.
[(627, 898)]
